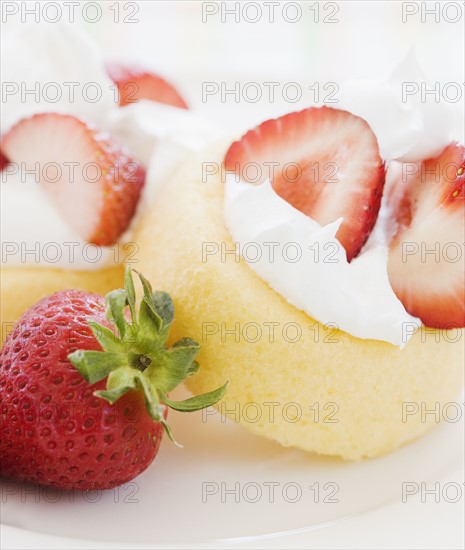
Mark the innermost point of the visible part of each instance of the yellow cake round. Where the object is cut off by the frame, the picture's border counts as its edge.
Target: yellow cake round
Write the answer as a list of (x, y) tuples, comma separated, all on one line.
[(22, 287), (291, 379)]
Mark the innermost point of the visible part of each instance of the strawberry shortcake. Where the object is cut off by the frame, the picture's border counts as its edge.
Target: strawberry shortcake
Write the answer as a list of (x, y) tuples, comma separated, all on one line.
[(320, 262)]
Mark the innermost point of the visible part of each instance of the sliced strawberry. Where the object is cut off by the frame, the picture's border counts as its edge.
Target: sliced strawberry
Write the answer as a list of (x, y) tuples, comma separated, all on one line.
[(426, 257), (324, 162), (90, 178), (134, 84), (3, 161)]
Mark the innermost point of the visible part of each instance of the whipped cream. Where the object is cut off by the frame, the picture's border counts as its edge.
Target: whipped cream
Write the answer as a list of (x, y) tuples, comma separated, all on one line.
[(33, 233), (410, 126), (40, 63), (305, 263)]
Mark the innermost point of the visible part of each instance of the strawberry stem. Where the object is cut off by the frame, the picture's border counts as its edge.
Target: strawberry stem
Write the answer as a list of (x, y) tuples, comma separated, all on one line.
[(137, 357)]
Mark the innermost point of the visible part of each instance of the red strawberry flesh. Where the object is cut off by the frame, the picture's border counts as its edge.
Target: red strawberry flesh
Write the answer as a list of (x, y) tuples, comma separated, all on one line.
[(327, 165), (426, 258), (135, 84), (3, 161), (89, 176)]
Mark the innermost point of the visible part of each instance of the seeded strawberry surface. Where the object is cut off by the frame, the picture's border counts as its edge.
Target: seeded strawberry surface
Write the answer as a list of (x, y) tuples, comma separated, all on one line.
[(54, 431), (85, 384)]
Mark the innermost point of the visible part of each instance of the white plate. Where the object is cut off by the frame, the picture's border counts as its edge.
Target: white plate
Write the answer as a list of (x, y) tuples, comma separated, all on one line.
[(183, 497)]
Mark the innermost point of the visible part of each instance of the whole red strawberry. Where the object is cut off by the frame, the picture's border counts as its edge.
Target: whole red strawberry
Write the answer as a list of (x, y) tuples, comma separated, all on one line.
[(62, 423)]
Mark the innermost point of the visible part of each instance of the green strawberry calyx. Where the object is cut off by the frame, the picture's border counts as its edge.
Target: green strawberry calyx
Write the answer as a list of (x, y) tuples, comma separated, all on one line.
[(138, 357)]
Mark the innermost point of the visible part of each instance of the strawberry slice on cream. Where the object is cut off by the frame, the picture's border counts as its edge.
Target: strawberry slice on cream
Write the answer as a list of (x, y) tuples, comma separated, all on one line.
[(426, 255), (324, 162), (90, 178)]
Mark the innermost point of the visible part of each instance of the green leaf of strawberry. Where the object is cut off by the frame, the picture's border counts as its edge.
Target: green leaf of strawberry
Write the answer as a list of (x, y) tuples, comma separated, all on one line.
[(197, 402), (95, 365), (139, 359)]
